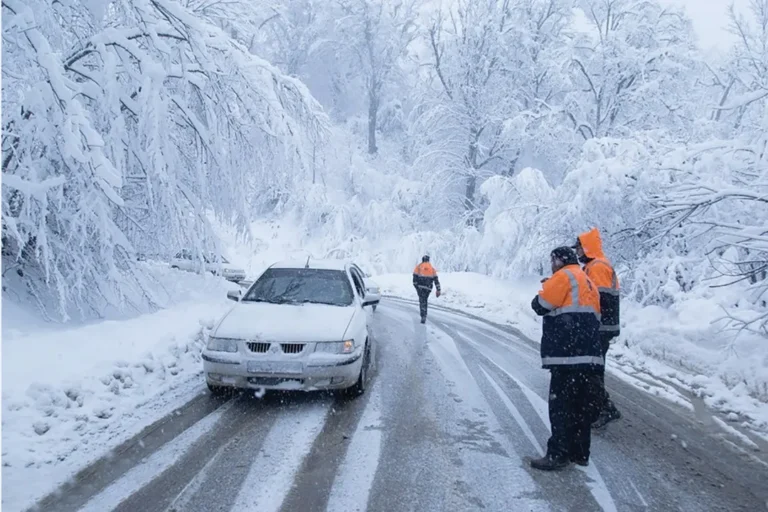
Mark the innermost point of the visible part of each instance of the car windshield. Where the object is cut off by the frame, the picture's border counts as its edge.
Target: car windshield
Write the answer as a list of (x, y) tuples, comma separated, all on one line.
[(299, 286)]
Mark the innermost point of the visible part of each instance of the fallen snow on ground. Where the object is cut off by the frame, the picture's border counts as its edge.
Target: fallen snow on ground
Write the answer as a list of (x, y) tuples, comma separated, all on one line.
[(666, 352), (71, 393)]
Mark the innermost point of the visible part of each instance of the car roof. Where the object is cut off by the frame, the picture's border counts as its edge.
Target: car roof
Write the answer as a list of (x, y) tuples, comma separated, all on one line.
[(313, 264)]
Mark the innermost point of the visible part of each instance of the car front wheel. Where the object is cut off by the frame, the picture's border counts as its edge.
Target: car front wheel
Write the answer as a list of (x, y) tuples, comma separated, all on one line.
[(362, 380)]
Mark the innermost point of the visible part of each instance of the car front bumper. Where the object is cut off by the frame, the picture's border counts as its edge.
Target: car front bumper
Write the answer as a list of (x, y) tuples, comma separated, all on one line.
[(231, 370)]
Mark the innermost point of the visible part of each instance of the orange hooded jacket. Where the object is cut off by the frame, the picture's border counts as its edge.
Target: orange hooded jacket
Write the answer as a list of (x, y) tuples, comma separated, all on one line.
[(601, 272), (570, 305), (425, 276)]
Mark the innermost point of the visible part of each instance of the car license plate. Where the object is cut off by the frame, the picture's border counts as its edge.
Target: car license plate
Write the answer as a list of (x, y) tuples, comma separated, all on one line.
[(275, 367)]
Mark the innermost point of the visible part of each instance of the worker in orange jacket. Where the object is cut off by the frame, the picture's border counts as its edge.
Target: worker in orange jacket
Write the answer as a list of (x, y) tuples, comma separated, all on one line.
[(570, 350), (589, 248), (424, 277)]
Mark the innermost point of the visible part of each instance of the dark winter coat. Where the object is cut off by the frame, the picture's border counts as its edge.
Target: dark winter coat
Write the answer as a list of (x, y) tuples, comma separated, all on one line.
[(425, 276), (570, 305)]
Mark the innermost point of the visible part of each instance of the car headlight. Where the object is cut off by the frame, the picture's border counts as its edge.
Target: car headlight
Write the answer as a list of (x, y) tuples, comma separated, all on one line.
[(222, 345), (336, 347)]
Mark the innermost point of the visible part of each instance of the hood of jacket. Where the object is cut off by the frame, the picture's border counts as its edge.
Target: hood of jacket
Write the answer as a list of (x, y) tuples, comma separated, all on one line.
[(592, 244)]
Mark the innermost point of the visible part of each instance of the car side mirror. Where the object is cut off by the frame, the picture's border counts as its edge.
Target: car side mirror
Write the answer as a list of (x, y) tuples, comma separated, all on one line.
[(234, 295), (369, 302)]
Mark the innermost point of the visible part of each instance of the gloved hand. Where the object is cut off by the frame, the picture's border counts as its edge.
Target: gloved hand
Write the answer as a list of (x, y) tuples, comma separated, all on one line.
[(437, 293)]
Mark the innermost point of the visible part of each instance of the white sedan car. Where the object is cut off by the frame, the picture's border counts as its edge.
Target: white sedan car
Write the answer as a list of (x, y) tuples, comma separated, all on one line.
[(185, 260), (299, 326)]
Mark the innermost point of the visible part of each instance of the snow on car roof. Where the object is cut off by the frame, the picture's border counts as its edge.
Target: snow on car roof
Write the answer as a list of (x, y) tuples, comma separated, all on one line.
[(317, 264)]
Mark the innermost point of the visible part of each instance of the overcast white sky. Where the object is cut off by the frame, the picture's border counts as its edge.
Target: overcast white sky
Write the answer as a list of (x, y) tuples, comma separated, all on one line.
[(710, 20)]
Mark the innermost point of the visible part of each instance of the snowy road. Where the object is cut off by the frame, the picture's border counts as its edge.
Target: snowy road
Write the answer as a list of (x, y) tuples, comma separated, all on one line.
[(454, 408)]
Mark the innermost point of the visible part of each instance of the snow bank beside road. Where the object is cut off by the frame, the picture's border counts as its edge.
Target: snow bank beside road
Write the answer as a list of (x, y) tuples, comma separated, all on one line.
[(70, 393), (676, 346)]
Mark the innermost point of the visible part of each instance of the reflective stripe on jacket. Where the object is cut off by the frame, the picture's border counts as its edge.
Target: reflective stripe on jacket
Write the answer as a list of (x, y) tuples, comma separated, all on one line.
[(601, 272), (570, 305), (425, 275)]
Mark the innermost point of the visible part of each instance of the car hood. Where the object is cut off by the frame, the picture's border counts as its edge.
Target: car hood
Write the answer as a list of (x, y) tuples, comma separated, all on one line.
[(285, 322)]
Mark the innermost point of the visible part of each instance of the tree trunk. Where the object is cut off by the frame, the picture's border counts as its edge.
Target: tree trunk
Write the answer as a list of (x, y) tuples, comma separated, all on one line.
[(471, 163), (469, 194), (373, 114)]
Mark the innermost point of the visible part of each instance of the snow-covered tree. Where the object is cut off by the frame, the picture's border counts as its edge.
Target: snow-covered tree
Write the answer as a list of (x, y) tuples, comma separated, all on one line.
[(717, 203), (632, 71), (494, 76), (376, 34), (123, 131)]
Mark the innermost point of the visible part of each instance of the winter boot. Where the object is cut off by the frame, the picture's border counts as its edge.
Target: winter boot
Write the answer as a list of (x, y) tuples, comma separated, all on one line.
[(606, 416), (548, 463), (581, 461), (423, 319)]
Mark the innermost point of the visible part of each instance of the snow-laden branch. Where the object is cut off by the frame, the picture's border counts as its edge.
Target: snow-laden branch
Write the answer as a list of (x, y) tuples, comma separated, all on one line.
[(131, 138), (745, 100)]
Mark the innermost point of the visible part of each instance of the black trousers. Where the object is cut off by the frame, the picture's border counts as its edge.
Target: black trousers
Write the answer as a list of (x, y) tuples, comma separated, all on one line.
[(573, 407), (605, 399), (423, 297)]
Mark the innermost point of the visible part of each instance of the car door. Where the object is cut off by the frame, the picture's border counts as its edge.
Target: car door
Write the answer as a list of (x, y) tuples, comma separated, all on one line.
[(371, 287), (359, 287)]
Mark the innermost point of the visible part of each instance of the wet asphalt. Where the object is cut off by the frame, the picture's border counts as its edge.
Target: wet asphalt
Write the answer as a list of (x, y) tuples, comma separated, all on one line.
[(452, 412)]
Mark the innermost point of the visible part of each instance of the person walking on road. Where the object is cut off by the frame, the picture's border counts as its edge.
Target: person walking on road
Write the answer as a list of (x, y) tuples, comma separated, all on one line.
[(424, 276), (589, 249), (570, 350)]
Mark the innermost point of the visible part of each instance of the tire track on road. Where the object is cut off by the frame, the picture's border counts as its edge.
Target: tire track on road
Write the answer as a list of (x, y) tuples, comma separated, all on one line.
[(165, 488), (217, 485), (354, 479), (274, 468), (563, 490), (642, 459), (310, 489), (329, 454), (144, 474), (486, 448), (97, 476)]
